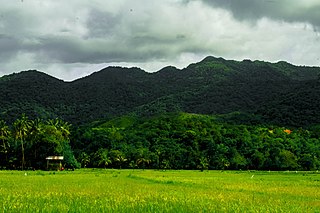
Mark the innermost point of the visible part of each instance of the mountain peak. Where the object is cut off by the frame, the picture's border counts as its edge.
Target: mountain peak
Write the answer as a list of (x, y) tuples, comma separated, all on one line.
[(30, 75), (212, 59)]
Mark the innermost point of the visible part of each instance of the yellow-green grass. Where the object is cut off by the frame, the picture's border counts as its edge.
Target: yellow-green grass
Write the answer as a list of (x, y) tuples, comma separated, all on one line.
[(96, 190)]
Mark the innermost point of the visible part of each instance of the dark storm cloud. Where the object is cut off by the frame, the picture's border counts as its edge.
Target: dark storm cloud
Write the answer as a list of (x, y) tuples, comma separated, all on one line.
[(62, 35), (72, 50), (130, 35), (8, 47), (282, 10), (102, 24)]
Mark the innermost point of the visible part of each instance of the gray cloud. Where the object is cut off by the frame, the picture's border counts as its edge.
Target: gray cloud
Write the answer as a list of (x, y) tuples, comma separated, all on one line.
[(8, 47), (283, 10), (102, 24), (63, 37)]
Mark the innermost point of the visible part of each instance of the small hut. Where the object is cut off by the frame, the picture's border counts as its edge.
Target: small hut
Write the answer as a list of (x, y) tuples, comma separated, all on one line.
[(54, 162)]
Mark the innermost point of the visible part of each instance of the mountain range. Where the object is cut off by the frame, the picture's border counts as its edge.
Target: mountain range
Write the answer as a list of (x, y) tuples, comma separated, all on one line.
[(235, 91)]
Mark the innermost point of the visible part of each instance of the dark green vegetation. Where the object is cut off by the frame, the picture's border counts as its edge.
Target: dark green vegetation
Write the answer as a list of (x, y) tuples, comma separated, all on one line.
[(26, 143), (190, 141), (171, 141), (262, 92), (215, 114)]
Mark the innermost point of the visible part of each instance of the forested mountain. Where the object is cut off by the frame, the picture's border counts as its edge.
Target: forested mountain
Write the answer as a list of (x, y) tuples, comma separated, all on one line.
[(216, 114), (278, 93)]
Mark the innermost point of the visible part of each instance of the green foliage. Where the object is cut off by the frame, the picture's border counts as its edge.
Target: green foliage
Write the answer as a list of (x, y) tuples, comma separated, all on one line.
[(102, 158), (288, 160), (203, 163), (124, 117), (21, 129), (5, 146), (260, 92), (168, 141), (27, 143), (191, 141), (69, 159)]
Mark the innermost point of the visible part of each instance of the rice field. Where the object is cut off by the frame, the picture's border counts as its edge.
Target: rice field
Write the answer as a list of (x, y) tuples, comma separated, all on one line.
[(98, 190)]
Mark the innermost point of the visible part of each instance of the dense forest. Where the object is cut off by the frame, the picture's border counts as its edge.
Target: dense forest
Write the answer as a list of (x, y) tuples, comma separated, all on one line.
[(274, 93), (191, 141), (26, 143), (215, 114), (167, 141)]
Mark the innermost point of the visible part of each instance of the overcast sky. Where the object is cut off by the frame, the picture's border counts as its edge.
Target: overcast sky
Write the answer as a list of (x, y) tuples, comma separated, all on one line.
[(72, 38)]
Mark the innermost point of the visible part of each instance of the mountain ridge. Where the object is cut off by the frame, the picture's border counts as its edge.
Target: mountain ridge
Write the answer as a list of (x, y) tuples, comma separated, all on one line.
[(211, 86)]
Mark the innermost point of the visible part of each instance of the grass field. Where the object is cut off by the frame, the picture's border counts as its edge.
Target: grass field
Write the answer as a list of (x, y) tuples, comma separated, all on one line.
[(96, 190)]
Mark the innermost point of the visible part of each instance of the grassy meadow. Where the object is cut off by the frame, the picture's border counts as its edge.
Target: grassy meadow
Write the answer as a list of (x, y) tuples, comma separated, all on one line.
[(94, 190)]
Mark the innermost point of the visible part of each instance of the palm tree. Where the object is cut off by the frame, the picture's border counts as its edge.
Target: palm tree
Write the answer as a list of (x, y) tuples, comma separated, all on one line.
[(84, 159), (103, 158), (61, 126), (143, 157), (121, 159), (4, 136), (65, 129), (21, 130), (118, 156), (36, 130), (203, 164)]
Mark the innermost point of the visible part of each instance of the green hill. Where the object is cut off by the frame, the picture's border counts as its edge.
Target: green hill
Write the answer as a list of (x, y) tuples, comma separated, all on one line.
[(264, 92), (214, 114)]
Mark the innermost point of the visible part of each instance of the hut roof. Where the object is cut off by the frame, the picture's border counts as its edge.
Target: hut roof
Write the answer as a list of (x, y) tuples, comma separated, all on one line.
[(54, 158)]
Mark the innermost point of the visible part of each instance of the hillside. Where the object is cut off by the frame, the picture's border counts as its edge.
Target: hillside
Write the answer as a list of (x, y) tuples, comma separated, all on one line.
[(263, 92), (192, 141)]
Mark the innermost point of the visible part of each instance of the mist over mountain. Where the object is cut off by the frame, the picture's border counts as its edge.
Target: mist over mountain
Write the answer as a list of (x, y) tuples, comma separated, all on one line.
[(246, 91)]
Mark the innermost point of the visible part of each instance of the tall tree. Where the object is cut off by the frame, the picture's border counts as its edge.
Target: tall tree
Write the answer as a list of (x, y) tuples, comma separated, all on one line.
[(36, 128), (118, 157), (102, 158), (4, 137), (143, 157), (61, 126), (21, 130)]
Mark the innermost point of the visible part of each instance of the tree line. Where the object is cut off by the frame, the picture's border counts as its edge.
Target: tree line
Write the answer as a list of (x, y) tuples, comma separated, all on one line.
[(26, 143), (167, 141), (191, 141)]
